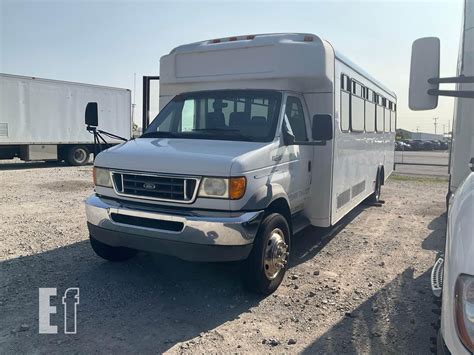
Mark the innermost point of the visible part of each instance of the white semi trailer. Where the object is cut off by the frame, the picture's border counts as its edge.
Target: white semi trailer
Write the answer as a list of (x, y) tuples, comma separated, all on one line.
[(42, 119)]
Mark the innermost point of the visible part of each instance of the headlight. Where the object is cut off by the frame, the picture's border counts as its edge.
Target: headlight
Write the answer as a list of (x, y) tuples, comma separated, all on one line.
[(464, 310), (232, 188), (101, 177)]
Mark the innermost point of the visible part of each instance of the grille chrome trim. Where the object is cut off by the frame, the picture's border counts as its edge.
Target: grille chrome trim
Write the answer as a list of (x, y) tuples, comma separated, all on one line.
[(186, 198)]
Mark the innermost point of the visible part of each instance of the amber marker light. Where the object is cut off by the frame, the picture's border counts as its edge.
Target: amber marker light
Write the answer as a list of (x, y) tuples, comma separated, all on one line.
[(237, 187)]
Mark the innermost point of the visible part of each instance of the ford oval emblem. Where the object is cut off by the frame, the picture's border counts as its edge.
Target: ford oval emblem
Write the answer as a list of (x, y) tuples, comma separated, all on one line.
[(149, 186)]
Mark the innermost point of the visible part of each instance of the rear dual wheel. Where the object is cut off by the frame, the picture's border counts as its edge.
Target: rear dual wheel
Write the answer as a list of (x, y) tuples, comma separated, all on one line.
[(267, 263), (78, 155), (375, 197)]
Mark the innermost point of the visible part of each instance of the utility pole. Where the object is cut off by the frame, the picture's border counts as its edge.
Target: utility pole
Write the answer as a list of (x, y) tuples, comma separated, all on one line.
[(134, 93), (435, 123)]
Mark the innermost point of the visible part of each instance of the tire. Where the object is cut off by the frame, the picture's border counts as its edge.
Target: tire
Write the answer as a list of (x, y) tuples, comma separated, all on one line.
[(110, 253), (375, 197), (267, 263), (78, 155)]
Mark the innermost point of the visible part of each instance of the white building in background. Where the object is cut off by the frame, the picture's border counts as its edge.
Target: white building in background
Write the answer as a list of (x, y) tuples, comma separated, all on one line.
[(427, 136)]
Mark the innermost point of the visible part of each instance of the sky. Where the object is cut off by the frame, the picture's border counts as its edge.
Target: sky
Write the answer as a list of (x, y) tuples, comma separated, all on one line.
[(107, 42)]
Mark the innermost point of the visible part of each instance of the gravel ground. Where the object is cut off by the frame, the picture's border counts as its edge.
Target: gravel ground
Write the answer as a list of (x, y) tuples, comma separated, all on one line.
[(360, 287)]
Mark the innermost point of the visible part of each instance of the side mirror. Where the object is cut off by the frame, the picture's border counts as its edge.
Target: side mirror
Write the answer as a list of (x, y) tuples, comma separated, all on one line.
[(287, 134), (424, 66), (92, 114), (322, 128)]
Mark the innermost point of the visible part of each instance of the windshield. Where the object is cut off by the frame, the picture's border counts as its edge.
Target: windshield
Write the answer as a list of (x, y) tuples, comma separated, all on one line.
[(247, 115)]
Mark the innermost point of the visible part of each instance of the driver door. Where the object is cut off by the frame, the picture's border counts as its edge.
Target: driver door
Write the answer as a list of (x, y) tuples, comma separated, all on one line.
[(298, 156)]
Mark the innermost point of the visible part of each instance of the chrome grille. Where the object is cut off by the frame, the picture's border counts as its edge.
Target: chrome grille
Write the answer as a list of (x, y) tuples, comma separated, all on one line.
[(158, 187)]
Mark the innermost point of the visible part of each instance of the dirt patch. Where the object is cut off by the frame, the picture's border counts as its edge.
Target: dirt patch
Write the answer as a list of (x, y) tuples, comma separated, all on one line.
[(359, 287), (68, 186)]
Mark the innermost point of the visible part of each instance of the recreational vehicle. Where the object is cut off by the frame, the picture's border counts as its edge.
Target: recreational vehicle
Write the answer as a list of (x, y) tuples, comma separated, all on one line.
[(258, 137)]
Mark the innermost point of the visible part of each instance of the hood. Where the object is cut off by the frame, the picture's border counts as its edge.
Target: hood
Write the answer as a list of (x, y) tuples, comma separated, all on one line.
[(176, 156)]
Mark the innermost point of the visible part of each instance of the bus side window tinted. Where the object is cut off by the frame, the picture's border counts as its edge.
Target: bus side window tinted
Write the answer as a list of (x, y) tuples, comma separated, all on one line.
[(379, 118), (295, 114), (387, 120), (369, 116), (345, 110), (393, 118), (369, 111), (357, 114), (346, 88)]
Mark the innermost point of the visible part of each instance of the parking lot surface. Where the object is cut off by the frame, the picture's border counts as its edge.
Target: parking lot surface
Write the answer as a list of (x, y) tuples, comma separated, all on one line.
[(359, 287), (432, 163)]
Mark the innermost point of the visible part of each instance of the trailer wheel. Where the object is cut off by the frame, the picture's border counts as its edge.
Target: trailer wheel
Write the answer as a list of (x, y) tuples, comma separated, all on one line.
[(375, 197), (78, 155), (266, 265), (110, 253)]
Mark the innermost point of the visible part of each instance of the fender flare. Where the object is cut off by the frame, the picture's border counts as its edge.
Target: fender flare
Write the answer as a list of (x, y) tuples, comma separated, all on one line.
[(264, 196)]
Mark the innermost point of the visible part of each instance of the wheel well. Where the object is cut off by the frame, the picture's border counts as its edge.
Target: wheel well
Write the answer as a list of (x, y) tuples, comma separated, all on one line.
[(280, 205), (63, 149)]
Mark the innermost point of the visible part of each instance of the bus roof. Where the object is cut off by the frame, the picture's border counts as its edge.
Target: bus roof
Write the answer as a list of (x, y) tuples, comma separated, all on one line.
[(293, 55)]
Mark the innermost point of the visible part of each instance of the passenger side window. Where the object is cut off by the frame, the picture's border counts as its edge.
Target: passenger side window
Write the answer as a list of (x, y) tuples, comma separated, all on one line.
[(387, 117), (370, 111), (357, 108), (345, 103), (187, 116), (295, 114), (393, 117), (380, 114)]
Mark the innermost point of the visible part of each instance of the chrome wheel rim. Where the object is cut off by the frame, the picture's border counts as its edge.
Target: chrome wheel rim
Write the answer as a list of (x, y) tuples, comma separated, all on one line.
[(80, 155), (276, 254)]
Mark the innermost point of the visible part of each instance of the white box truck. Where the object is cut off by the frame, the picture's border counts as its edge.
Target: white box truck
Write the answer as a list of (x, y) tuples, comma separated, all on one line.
[(42, 119), (258, 137)]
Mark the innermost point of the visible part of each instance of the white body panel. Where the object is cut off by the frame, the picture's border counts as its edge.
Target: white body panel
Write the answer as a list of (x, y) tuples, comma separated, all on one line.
[(459, 257), (459, 251), (462, 148), (41, 111), (357, 155)]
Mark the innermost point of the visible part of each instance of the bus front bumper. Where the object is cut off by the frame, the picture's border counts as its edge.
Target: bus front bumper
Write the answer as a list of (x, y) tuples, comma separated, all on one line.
[(193, 236)]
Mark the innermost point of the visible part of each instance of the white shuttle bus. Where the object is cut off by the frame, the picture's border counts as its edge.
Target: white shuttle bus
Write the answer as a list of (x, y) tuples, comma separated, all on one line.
[(257, 137)]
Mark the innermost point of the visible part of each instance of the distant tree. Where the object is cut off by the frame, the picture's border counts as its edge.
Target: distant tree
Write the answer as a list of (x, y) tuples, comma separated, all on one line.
[(402, 134)]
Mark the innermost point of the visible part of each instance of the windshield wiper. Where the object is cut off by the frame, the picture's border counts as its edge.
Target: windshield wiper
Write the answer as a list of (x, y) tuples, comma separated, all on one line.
[(233, 132), (216, 129), (158, 134)]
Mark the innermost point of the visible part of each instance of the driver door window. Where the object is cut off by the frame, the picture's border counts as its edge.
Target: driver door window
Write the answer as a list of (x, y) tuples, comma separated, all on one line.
[(295, 117)]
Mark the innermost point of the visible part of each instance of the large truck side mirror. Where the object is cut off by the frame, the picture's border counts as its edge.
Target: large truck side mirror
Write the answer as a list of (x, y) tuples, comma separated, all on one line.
[(322, 128), (92, 114), (424, 66)]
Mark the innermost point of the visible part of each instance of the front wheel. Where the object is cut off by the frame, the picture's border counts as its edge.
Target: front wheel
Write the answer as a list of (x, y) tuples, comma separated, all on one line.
[(266, 265)]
